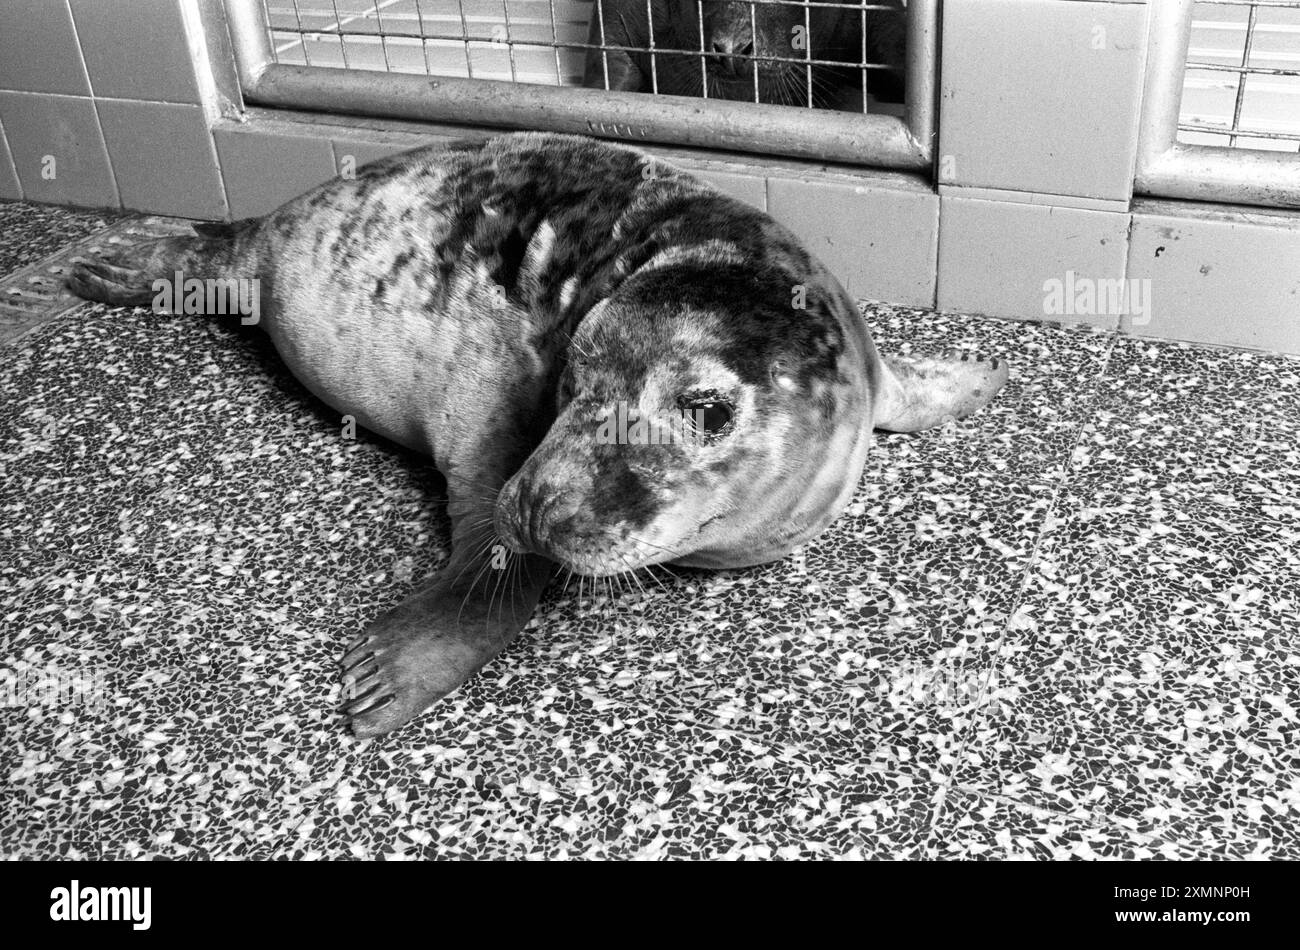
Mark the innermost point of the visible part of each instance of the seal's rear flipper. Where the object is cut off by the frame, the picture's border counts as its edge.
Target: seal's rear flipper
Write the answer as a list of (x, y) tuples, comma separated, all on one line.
[(108, 283), (917, 393), (223, 229), (127, 278)]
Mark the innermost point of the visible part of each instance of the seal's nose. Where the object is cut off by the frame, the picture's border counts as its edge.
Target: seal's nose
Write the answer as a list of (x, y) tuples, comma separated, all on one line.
[(506, 522), (529, 519), (550, 516), (725, 51)]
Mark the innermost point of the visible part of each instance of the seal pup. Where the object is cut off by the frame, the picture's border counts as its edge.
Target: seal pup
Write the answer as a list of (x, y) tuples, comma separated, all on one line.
[(721, 42), (492, 304)]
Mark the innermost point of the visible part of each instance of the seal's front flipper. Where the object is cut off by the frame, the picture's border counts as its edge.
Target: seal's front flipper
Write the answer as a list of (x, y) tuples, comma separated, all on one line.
[(918, 393), (452, 626), (438, 638)]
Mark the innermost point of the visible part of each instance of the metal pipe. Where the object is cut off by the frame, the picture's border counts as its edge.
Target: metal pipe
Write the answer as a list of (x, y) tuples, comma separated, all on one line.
[(1230, 175), (674, 120), (253, 53), (827, 135), (1170, 169), (1168, 36), (922, 71)]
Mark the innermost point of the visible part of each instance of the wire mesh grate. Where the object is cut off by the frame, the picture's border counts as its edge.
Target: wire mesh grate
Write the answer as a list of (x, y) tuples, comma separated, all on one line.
[(1241, 87), (840, 54)]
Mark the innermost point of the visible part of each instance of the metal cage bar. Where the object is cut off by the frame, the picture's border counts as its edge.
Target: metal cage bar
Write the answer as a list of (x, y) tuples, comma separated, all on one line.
[(1242, 71), (1172, 169), (852, 138)]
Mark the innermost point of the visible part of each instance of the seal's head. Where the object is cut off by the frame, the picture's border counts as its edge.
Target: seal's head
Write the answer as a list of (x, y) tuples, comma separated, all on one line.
[(768, 39), (707, 416)]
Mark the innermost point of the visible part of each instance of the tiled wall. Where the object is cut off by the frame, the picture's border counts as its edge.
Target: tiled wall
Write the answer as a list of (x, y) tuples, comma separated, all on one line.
[(1037, 146), (101, 105)]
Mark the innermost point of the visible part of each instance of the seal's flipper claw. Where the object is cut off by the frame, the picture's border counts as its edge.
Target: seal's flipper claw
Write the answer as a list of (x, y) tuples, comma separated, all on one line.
[(107, 282), (373, 705), (353, 681), (375, 717), (373, 698), (359, 659), (434, 641), (918, 393), (127, 277)]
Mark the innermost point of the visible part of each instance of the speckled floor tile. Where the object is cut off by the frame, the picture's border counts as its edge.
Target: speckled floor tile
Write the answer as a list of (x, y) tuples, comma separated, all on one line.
[(1030, 429), (895, 627), (1125, 683), (1266, 754), (152, 530), (603, 780), (212, 768), (983, 828), (901, 597), (875, 638), (1198, 424), (29, 232), (179, 514)]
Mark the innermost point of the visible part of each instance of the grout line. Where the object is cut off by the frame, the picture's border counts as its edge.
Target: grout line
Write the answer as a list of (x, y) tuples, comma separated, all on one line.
[(368, 753), (7, 155), (94, 106), (1016, 602), (78, 97)]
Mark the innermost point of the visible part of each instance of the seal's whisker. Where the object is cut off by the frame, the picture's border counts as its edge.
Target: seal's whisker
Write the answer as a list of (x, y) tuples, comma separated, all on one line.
[(631, 572), (496, 589), (507, 589), (513, 586), (485, 490), (519, 567), (651, 544), (482, 521), (480, 549), (469, 593), (649, 572), (574, 343), (487, 563), (654, 570)]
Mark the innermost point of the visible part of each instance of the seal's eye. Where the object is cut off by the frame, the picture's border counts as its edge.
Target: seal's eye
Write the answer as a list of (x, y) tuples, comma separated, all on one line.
[(709, 414), (713, 416)]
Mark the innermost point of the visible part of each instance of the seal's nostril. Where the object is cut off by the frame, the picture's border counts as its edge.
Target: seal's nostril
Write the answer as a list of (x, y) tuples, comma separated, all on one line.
[(527, 528), (506, 521), (537, 517), (564, 507), (552, 514)]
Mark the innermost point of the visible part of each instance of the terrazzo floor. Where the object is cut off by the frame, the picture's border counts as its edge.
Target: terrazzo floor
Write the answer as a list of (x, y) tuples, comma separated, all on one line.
[(1066, 628)]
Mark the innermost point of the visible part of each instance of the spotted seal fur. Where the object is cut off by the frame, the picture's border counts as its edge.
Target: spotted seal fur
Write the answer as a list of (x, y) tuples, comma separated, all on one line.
[(491, 304)]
